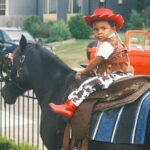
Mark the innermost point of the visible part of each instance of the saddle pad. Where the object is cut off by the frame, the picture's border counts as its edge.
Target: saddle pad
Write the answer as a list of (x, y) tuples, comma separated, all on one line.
[(125, 124)]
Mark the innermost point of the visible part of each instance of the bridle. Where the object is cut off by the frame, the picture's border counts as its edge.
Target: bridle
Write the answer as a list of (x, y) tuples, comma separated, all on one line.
[(7, 64), (5, 67)]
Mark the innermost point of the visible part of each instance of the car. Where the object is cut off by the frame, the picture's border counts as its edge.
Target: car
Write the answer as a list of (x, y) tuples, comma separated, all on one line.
[(10, 37), (138, 45)]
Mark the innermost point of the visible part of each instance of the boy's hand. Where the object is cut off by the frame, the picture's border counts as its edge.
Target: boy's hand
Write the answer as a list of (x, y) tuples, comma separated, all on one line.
[(79, 74), (9, 56)]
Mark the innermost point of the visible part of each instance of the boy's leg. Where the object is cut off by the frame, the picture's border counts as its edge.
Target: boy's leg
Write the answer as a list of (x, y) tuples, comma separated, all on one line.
[(113, 77), (76, 98), (85, 89)]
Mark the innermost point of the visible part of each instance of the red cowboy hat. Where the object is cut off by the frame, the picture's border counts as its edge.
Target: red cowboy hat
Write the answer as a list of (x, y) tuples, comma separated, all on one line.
[(105, 14)]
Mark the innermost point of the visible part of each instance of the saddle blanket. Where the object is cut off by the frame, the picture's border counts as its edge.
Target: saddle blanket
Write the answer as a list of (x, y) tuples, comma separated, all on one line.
[(126, 124)]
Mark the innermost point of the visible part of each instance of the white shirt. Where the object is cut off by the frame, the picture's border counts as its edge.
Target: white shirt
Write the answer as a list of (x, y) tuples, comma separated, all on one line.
[(105, 49)]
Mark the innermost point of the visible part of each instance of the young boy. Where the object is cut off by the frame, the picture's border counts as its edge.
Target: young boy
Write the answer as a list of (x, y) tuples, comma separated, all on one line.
[(111, 61)]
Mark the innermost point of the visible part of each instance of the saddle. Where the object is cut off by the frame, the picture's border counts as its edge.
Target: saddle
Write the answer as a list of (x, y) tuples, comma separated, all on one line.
[(121, 92)]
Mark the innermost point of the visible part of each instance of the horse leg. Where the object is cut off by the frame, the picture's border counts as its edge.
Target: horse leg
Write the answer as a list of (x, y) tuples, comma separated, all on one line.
[(51, 140), (95, 145), (49, 134)]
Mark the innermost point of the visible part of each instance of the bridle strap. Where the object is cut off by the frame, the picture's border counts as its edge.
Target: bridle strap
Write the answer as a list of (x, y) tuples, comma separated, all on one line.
[(6, 64), (21, 62), (8, 71), (22, 59)]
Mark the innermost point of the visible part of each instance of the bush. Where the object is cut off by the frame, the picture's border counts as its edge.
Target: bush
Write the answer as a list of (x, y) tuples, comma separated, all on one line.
[(6, 144), (52, 30), (135, 20), (139, 20), (146, 16), (46, 29), (59, 31), (33, 24), (78, 28)]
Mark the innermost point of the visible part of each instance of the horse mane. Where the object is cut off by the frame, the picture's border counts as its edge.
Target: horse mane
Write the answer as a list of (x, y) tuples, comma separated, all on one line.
[(52, 66), (67, 73), (48, 55), (56, 60)]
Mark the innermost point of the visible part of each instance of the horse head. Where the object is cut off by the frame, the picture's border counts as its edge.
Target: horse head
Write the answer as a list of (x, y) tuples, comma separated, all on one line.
[(16, 81), (34, 67)]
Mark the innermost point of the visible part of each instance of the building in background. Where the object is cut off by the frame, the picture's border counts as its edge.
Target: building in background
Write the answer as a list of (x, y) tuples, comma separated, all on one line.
[(12, 12), (122, 7)]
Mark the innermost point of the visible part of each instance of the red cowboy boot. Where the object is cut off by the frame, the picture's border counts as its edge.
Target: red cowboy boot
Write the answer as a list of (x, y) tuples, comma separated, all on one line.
[(67, 109)]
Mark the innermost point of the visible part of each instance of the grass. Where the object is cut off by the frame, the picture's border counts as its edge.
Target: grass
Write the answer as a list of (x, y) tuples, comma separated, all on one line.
[(73, 53), (6, 144)]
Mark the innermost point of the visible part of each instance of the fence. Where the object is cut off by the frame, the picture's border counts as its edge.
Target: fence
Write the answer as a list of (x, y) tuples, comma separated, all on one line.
[(21, 121)]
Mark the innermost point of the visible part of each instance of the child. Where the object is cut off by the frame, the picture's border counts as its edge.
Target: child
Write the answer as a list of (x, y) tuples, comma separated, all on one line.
[(111, 61)]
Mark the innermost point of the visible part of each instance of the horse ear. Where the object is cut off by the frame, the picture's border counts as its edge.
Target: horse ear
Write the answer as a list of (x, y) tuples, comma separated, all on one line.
[(23, 42)]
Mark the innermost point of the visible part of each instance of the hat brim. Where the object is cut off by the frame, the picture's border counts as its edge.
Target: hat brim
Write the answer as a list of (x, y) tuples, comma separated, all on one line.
[(116, 18)]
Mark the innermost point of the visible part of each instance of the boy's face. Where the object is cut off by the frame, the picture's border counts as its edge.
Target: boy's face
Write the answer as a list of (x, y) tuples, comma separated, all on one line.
[(102, 30)]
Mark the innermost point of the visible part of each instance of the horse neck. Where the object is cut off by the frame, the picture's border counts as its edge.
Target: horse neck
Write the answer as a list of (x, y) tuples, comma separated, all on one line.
[(50, 79)]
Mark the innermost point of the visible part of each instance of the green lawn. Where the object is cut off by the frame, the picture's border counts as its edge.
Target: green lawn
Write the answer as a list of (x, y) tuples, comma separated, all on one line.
[(73, 53)]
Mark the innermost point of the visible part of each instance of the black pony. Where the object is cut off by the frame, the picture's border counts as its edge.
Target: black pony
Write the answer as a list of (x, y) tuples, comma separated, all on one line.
[(36, 68)]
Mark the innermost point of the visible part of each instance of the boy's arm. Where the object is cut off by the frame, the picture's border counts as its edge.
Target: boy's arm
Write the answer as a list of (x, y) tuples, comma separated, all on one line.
[(92, 65)]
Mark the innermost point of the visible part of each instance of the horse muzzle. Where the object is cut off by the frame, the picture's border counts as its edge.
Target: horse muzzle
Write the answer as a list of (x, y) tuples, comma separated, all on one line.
[(9, 98)]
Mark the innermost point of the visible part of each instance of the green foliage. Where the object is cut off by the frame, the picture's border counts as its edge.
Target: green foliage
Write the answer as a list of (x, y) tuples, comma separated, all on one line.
[(33, 25), (46, 29), (59, 31), (26, 147), (78, 28), (6, 144), (135, 20), (139, 20), (146, 16), (52, 30)]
